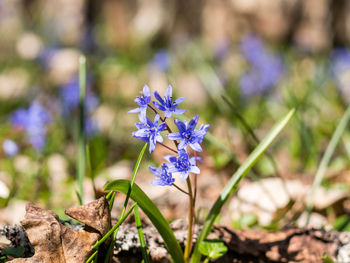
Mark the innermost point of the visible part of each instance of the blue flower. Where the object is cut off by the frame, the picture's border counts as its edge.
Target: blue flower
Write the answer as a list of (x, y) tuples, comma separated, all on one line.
[(143, 101), (266, 68), (188, 135), (149, 131), (182, 164), (167, 105), (10, 147), (69, 94), (161, 60), (33, 121), (165, 178)]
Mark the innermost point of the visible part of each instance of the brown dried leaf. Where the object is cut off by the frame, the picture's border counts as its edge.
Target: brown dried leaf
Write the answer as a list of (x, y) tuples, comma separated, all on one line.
[(57, 243), (88, 214)]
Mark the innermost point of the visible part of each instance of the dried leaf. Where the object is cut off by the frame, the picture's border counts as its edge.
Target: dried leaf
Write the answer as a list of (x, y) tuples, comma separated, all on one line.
[(57, 243)]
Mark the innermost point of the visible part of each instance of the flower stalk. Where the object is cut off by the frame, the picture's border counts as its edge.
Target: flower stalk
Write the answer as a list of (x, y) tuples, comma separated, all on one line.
[(188, 246)]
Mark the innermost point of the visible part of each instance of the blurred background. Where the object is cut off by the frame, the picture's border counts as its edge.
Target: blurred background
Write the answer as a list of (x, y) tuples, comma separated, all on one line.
[(242, 64)]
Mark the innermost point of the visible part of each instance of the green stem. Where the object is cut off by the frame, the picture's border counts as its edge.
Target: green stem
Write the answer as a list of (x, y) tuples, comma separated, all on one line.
[(81, 135), (91, 257), (120, 221), (206, 260), (190, 221)]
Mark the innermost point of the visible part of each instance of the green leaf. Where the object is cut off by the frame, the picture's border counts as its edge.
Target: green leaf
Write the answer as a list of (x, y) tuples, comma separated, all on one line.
[(15, 252), (81, 161), (326, 158), (326, 259), (133, 177), (213, 248), (342, 223), (236, 178), (246, 220), (152, 212), (140, 233)]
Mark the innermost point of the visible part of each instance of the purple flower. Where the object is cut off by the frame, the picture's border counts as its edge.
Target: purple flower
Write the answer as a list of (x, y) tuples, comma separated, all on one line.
[(164, 177), (143, 101), (266, 68), (182, 164), (188, 135), (69, 94), (33, 121), (167, 105), (149, 131), (10, 147), (161, 60)]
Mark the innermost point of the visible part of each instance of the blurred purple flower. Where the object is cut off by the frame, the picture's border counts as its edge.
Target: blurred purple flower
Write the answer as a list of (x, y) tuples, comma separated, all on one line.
[(69, 94), (340, 69), (33, 121), (266, 68), (164, 177), (161, 60), (46, 55), (10, 147)]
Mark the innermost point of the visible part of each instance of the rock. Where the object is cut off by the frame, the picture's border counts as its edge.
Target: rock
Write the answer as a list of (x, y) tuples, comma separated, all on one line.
[(265, 197), (4, 191)]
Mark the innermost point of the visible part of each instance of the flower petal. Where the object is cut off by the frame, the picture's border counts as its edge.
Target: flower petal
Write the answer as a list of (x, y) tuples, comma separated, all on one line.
[(159, 98), (196, 146), (160, 107), (168, 113), (178, 111), (161, 127), (178, 101), (152, 145), (142, 133), (180, 125), (183, 176), (156, 119), (195, 170), (157, 182), (169, 92), (182, 145), (135, 110), (146, 91), (174, 136), (192, 124), (156, 171)]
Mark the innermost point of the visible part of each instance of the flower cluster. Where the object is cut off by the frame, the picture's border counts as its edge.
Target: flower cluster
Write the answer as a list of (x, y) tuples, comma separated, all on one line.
[(187, 135), (33, 121), (266, 68)]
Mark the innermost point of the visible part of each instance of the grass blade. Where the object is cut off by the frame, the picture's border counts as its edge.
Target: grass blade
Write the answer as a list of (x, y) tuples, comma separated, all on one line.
[(133, 177), (140, 233), (81, 131), (152, 212), (326, 158), (110, 232), (233, 183)]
